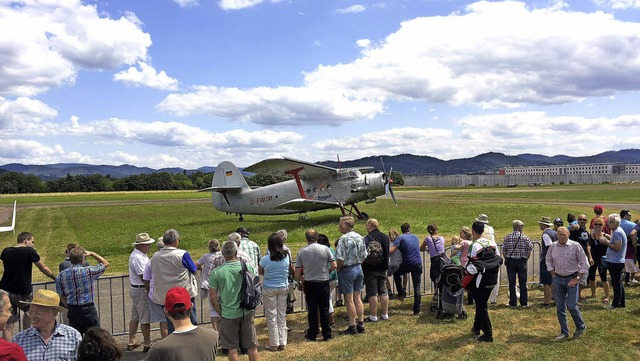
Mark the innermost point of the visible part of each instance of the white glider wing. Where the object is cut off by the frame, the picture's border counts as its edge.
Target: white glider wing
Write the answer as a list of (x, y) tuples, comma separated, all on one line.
[(13, 222)]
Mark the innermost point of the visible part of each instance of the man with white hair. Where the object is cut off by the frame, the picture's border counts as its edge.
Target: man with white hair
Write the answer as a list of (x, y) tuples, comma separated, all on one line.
[(616, 249), (172, 266), (517, 248)]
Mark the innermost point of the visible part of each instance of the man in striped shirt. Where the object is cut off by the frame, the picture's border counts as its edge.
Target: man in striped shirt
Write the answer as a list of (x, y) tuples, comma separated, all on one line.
[(76, 284), (568, 265)]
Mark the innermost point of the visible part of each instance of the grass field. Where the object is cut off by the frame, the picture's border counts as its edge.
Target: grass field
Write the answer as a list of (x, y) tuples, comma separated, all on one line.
[(108, 223)]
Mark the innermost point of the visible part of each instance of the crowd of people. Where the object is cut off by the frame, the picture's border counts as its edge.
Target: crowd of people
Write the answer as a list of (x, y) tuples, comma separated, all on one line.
[(163, 288)]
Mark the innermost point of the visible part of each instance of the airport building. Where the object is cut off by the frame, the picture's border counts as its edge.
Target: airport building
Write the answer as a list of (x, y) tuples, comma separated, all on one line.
[(574, 169)]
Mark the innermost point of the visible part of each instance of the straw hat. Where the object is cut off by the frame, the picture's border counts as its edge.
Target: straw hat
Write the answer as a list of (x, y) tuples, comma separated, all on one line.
[(545, 220), (483, 218), (46, 298), (143, 238)]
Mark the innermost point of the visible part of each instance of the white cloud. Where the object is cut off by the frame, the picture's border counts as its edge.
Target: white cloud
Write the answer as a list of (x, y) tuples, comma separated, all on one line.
[(509, 133), (186, 3), (272, 106), (548, 56), (242, 4), (146, 75), (618, 4), (24, 115), (353, 9), (33, 152), (363, 43), (44, 43)]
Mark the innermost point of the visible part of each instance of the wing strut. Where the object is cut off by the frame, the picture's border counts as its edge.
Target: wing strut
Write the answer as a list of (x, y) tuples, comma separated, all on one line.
[(296, 175)]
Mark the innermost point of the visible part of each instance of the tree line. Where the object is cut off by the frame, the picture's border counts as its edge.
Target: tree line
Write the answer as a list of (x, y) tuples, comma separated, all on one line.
[(15, 182)]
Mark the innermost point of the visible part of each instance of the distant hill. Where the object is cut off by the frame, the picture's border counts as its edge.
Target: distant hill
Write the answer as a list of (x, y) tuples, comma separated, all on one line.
[(405, 163), (484, 163)]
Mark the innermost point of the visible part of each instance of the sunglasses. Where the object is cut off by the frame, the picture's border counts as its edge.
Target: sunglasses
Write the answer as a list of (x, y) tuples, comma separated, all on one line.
[(582, 219), (597, 225)]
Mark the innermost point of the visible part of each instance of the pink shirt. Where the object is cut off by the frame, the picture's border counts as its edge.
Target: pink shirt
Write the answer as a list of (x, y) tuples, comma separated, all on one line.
[(464, 251), (567, 259)]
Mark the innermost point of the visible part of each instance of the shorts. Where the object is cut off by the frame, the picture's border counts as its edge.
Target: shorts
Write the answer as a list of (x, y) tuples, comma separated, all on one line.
[(375, 283), (545, 275), (140, 306), (15, 302), (204, 293), (156, 313), (350, 279), (239, 331)]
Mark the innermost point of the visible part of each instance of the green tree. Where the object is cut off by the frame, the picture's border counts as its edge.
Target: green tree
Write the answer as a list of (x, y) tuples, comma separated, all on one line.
[(397, 178)]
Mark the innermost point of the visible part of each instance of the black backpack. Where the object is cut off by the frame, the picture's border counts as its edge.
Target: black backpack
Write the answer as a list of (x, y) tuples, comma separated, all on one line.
[(374, 248), (251, 290), (488, 264)]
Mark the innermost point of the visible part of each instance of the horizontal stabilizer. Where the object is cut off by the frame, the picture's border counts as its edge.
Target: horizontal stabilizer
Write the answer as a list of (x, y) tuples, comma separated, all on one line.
[(222, 189), (307, 205)]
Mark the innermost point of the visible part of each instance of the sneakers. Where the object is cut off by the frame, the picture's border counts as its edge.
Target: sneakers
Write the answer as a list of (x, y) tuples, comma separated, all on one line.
[(351, 330), (561, 337), (360, 327), (579, 333), (371, 319), (384, 317)]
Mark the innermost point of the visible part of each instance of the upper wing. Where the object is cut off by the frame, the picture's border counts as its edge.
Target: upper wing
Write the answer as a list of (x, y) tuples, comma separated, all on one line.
[(282, 167), (307, 205)]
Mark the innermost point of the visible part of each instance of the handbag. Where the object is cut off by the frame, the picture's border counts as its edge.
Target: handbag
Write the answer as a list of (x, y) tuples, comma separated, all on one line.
[(468, 281), (291, 290)]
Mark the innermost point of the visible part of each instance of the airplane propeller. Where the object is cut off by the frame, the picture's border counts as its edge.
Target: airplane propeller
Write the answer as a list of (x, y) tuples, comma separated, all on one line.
[(387, 183)]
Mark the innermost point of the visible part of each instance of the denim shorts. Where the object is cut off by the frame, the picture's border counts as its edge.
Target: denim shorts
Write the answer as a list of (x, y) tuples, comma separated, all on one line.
[(350, 279)]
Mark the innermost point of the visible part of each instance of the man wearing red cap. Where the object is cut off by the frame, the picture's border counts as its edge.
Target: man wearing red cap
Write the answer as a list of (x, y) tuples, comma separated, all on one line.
[(187, 342)]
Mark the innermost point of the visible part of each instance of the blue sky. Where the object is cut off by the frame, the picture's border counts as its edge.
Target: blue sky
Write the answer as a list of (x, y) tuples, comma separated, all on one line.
[(189, 83)]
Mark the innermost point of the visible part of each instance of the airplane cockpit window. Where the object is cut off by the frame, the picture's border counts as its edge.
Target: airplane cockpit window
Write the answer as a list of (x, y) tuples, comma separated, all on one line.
[(345, 174)]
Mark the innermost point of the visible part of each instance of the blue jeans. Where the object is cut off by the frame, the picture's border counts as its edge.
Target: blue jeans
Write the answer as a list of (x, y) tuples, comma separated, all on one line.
[(567, 298), (615, 270), (517, 266), (416, 275)]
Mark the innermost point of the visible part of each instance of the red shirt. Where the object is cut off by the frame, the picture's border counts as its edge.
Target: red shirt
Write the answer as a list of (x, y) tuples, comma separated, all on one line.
[(10, 351)]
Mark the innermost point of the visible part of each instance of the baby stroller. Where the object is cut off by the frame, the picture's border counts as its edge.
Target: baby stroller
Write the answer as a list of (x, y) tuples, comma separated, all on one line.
[(449, 295)]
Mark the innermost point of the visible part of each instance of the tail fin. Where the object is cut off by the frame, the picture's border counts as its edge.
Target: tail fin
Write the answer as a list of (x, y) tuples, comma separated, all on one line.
[(13, 222), (228, 175)]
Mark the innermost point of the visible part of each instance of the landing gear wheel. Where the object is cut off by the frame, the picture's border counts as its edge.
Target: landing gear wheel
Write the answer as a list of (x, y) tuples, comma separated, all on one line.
[(363, 216)]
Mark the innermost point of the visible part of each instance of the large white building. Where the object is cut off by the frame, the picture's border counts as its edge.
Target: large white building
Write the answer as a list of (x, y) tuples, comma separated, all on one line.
[(574, 169)]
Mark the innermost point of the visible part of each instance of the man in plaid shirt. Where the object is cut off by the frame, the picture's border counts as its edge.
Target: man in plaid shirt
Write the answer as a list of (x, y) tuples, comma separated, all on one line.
[(516, 249), (76, 286), (249, 246)]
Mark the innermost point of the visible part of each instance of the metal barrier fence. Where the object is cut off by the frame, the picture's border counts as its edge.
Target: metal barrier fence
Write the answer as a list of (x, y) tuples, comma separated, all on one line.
[(114, 304)]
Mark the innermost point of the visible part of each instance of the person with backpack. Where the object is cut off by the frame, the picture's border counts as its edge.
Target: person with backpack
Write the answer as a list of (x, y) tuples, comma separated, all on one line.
[(236, 323), (375, 270), (484, 262)]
